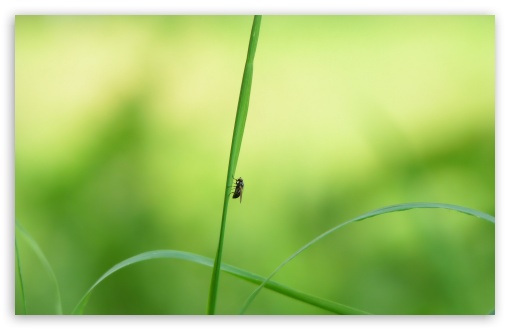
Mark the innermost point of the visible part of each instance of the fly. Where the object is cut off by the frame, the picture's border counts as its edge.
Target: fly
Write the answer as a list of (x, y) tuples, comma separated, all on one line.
[(238, 191)]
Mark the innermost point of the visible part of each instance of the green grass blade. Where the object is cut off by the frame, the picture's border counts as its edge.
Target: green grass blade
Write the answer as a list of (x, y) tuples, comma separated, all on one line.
[(20, 277), (33, 244), (237, 138), (240, 273), (384, 210)]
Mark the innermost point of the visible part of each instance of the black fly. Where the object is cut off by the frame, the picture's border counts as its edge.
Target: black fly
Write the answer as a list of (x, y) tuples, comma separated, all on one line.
[(238, 192)]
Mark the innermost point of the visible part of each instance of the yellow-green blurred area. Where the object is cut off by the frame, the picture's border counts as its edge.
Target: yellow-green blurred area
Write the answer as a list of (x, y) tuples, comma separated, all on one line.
[(123, 131)]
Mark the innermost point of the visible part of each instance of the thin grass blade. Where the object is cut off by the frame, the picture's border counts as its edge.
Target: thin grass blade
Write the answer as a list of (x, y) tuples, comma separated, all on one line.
[(384, 210), (237, 138), (35, 247), (240, 273), (20, 277)]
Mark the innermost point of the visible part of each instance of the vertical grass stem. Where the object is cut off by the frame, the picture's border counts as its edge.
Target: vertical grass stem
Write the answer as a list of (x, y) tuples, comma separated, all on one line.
[(237, 137)]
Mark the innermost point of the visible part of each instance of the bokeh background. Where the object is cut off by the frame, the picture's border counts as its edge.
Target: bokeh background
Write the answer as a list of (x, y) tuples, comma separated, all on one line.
[(123, 127)]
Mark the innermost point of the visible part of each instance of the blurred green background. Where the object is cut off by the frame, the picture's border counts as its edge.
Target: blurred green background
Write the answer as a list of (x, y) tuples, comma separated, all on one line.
[(123, 127)]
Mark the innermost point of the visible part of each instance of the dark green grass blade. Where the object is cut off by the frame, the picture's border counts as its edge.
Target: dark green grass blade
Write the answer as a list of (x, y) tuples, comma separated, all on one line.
[(33, 244), (384, 210), (20, 277), (240, 273), (237, 138)]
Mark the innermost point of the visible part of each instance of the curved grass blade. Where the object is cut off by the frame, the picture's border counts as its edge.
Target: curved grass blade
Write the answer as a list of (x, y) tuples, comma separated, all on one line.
[(388, 209), (240, 273), (33, 244), (237, 138), (20, 278)]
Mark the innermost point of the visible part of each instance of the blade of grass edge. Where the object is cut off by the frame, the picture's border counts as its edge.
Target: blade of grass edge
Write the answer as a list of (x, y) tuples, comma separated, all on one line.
[(240, 273), (35, 247), (237, 137), (20, 277), (388, 209)]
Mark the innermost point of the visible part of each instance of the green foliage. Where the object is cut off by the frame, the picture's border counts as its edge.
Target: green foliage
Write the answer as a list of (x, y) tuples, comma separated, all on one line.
[(121, 129), (325, 304)]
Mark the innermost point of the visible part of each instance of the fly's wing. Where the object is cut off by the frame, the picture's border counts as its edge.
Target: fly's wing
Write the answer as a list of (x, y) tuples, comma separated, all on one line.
[(238, 193)]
